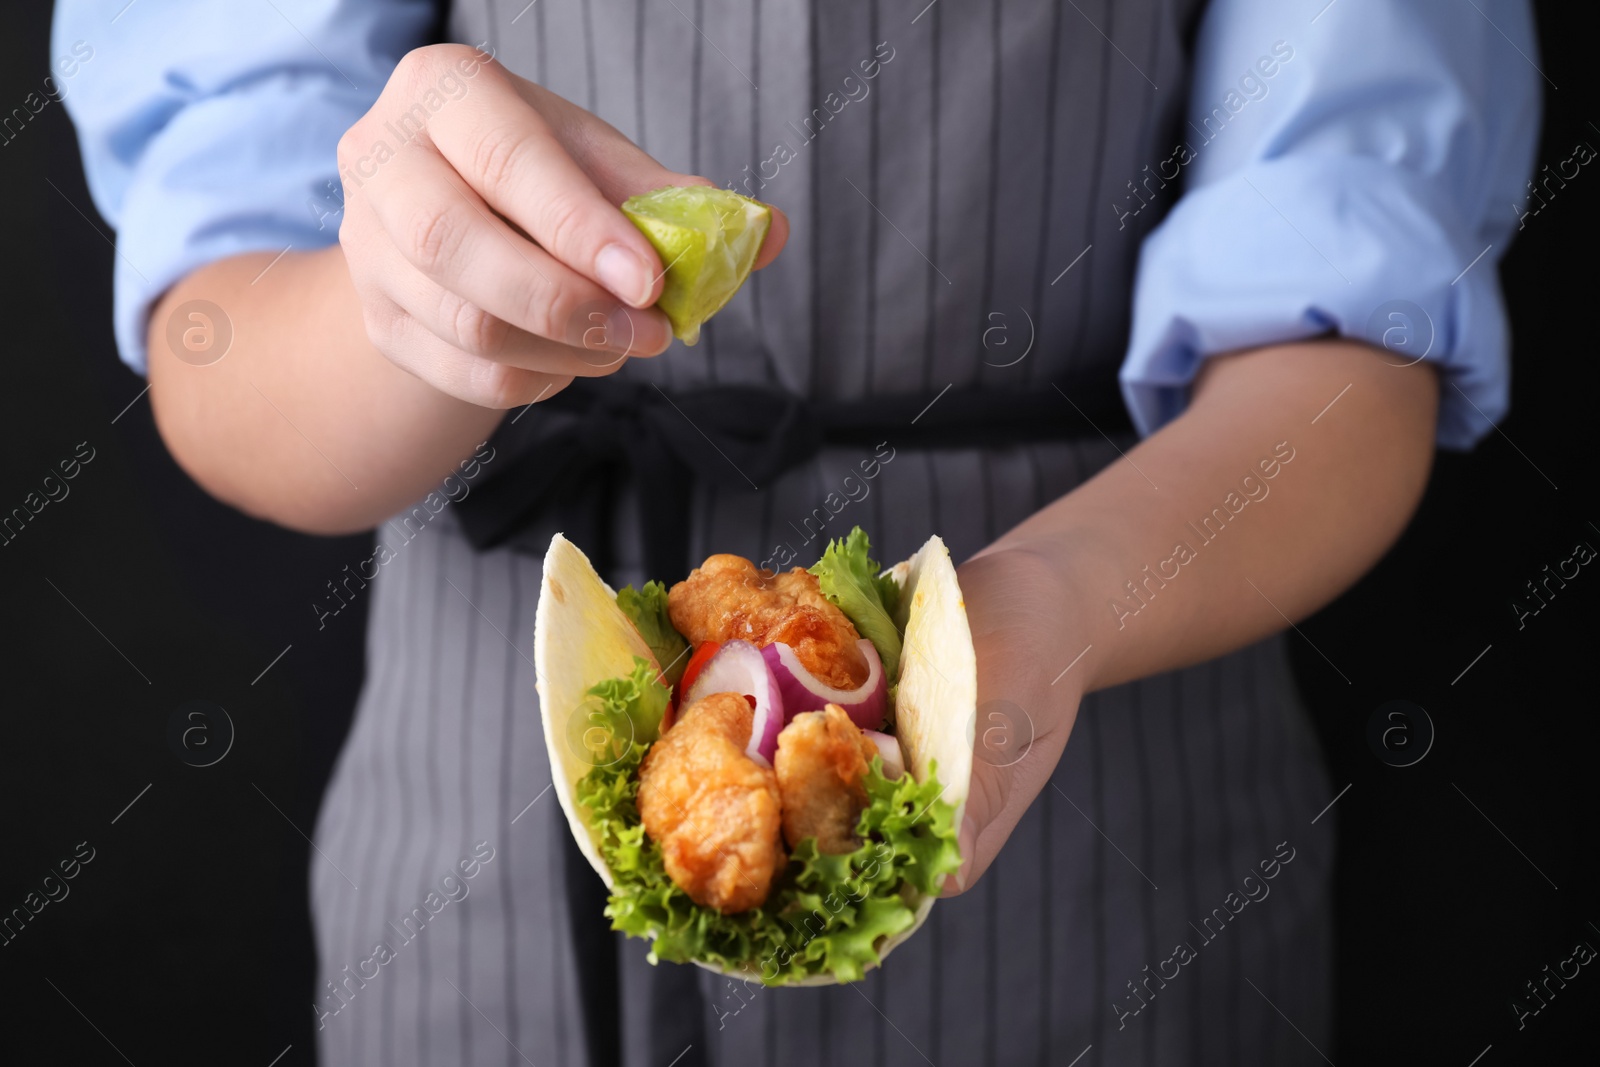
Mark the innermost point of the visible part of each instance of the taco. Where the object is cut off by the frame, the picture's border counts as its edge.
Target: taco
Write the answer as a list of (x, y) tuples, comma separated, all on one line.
[(767, 770)]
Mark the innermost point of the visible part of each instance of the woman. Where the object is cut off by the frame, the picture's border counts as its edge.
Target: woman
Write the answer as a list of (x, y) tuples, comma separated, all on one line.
[(980, 223)]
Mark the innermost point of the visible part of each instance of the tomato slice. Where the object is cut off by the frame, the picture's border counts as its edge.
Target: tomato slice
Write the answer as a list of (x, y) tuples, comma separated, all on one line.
[(702, 655)]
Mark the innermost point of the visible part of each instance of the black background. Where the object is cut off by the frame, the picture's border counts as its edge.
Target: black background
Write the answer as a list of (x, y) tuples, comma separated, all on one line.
[(187, 937)]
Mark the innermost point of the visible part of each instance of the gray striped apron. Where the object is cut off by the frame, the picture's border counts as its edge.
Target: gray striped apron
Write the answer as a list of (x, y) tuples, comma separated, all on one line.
[(937, 207)]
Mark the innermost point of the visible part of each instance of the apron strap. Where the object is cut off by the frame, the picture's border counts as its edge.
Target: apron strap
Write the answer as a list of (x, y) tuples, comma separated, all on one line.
[(566, 459)]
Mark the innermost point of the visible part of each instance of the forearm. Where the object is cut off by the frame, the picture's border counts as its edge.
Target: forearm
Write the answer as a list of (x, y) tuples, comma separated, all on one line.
[(303, 421), (1240, 515)]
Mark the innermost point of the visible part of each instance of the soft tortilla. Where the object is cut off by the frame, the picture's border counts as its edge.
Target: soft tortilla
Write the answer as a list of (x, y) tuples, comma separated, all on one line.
[(581, 638)]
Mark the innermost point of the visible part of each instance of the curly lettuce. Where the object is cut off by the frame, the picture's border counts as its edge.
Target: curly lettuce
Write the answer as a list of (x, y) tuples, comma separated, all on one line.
[(647, 608), (622, 713), (826, 915), (849, 578)]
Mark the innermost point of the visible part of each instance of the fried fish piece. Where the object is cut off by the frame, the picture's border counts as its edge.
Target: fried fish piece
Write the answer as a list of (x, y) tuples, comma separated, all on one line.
[(727, 599), (711, 809), (822, 757)]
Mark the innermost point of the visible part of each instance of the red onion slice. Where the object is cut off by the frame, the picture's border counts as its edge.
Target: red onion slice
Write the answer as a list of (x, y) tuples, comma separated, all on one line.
[(739, 667), (894, 764), (802, 691)]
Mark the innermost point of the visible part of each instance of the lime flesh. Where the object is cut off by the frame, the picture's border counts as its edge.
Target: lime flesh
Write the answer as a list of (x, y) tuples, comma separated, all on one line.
[(708, 240)]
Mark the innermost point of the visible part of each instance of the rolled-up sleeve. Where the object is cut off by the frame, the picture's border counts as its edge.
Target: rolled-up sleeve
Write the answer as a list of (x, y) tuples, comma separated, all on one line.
[(1356, 171), (209, 129)]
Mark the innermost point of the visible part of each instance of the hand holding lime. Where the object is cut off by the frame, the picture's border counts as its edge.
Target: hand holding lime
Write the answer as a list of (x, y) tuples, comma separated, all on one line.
[(708, 240)]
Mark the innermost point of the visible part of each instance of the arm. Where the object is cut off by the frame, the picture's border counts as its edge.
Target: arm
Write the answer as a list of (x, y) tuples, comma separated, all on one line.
[(302, 401), (1339, 493), (1333, 171), (359, 375), (1242, 488), (208, 137), (482, 262)]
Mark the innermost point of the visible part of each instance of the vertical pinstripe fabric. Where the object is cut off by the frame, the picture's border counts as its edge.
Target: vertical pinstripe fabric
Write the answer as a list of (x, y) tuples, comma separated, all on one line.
[(464, 757), (942, 196), (931, 235)]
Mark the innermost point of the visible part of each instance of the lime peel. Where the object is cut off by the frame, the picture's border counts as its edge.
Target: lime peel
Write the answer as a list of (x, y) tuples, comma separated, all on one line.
[(708, 240)]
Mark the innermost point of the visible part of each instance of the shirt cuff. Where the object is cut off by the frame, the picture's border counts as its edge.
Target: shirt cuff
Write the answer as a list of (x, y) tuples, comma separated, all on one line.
[(253, 170), (1296, 248)]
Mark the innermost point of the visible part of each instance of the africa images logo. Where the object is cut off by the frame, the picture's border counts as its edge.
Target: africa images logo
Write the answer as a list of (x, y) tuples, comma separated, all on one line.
[(199, 332)]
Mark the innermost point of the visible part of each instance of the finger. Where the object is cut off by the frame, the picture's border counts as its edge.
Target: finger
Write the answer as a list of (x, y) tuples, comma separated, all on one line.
[(602, 330), (487, 383), (445, 232), (777, 237), (962, 880), (596, 340), (1020, 731), (999, 796), (506, 150), (619, 168), (986, 800)]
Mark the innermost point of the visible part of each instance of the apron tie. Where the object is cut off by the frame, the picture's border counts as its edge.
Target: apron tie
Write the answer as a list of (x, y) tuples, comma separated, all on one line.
[(565, 460)]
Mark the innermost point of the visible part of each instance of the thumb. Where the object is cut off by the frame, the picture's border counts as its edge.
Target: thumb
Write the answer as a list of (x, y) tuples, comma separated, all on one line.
[(986, 799), (1018, 733), (1009, 770), (619, 168), (1023, 718)]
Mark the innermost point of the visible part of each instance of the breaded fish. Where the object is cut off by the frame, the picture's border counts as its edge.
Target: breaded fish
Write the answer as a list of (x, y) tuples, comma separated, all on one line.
[(711, 809), (727, 599), (822, 757)]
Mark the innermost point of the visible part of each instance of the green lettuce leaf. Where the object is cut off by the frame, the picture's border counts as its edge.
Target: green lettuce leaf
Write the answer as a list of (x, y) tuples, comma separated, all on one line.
[(620, 714), (916, 821), (647, 608), (850, 579), (826, 914)]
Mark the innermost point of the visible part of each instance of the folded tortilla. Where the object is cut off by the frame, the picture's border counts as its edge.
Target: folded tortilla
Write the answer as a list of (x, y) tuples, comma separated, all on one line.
[(581, 638)]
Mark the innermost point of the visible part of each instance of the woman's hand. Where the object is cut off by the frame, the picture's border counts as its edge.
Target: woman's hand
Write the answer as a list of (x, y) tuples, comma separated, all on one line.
[(482, 233), (1021, 616), (1119, 580), (483, 264)]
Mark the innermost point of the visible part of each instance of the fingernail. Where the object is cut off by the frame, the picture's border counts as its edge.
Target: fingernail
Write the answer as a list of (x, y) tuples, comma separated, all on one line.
[(625, 274), (639, 333)]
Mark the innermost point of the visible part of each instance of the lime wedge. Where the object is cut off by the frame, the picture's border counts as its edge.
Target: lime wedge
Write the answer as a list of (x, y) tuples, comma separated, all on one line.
[(708, 239)]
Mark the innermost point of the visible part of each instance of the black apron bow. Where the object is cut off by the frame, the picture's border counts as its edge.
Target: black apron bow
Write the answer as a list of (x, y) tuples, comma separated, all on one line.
[(566, 457)]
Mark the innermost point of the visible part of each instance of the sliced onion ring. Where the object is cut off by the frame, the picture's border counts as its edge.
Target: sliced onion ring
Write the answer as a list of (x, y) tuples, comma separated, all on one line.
[(894, 764), (739, 667), (803, 691)]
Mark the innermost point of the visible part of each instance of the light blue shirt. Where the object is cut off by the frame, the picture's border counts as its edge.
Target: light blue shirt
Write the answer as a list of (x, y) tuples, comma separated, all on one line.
[(1355, 168)]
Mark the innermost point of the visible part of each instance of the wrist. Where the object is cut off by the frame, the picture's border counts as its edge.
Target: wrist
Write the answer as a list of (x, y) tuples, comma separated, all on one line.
[(1063, 578), (1030, 596)]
